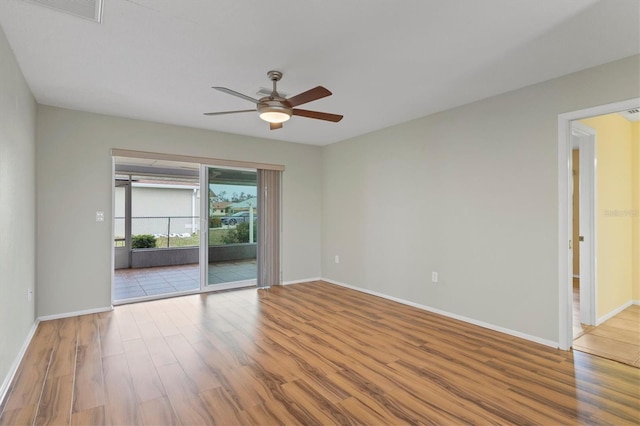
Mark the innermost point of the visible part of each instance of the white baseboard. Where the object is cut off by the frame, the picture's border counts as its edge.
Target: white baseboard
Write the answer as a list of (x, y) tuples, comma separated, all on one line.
[(16, 363), (451, 315), (306, 280), (616, 311), (75, 314)]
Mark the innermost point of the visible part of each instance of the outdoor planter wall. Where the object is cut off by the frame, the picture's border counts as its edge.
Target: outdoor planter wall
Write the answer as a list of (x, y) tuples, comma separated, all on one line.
[(231, 252), (147, 258)]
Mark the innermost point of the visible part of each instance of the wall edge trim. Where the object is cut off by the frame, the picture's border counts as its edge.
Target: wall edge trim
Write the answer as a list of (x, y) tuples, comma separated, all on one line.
[(6, 384), (306, 280), (616, 311), (75, 313)]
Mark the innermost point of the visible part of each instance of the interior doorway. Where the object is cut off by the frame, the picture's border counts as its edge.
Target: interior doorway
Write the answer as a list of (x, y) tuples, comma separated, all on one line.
[(597, 303)]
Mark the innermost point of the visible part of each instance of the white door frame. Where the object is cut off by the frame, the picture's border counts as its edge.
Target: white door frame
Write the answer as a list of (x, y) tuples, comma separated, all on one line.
[(565, 212), (204, 236), (584, 139), (122, 255), (204, 226)]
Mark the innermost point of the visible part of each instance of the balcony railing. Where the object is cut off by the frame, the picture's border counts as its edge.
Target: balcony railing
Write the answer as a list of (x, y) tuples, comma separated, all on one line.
[(169, 231)]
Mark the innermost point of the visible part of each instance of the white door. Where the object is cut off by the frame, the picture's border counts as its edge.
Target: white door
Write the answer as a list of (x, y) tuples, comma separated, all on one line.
[(583, 137)]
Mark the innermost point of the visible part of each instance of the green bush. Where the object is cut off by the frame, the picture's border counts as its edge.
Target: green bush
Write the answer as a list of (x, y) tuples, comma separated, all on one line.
[(143, 241), (240, 234), (215, 222)]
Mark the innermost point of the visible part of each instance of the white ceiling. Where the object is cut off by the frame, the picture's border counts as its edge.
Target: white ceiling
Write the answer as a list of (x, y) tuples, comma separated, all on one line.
[(385, 61)]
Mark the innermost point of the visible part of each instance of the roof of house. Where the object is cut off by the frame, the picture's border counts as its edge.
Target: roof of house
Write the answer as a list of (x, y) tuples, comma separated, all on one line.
[(251, 202)]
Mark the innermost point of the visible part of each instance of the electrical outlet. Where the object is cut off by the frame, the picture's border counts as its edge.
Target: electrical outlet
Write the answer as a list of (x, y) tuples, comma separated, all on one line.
[(337, 259), (434, 277), (29, 294), (99, 216)]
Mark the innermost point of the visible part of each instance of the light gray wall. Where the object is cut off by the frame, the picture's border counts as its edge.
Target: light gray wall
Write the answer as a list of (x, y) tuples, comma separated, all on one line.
[(17, 208), (470, 193), (74, 180)]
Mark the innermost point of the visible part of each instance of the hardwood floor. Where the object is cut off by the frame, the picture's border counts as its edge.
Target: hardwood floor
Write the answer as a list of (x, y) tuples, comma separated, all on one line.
[(308, 354), (617, 338)]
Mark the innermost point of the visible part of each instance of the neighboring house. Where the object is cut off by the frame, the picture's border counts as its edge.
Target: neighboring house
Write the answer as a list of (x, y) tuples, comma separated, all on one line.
[(159, 208), (220, 209)]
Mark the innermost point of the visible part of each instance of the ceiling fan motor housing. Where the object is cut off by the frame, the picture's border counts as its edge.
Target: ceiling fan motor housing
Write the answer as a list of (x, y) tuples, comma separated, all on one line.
[(274, 110)]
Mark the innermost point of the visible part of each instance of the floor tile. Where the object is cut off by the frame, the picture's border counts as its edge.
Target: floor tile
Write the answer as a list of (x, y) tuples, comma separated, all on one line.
[(131, 283), (159, 290)]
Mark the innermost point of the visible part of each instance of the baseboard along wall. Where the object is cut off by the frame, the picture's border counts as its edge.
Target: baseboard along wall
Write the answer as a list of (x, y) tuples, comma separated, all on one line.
[(451, 315)]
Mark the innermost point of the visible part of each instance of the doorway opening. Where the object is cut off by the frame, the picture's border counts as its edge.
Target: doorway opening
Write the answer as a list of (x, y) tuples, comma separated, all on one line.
[(596, 296)]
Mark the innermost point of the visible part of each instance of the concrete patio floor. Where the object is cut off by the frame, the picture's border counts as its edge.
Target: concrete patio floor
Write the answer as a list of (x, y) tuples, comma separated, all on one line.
[(163, 280)]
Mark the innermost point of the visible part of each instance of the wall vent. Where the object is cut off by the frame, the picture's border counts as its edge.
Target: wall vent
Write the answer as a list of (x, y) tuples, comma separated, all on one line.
[(88, 9), (631, 115)]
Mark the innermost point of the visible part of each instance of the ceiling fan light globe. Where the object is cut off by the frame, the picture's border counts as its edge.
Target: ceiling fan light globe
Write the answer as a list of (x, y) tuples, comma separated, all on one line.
[(274, 116)]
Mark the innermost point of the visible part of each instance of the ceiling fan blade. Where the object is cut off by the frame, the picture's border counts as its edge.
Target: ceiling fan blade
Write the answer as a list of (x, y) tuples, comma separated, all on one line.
[(317, 115), (314, 94), (234, 93), (229, 112), (275, 126)]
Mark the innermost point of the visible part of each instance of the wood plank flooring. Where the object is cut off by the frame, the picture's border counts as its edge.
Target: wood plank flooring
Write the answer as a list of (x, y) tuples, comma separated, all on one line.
[(309, 354), (617, 338)]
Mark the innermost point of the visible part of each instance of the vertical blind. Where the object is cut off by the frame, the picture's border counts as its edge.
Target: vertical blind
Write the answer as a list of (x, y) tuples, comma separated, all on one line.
[(268, 227)]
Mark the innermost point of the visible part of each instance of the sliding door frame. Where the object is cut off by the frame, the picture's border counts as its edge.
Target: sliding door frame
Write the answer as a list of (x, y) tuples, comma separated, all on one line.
[(204, 235), (204, 163)]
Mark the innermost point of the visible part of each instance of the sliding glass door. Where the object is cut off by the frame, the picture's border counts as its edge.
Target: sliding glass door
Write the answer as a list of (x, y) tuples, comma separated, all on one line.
[(230, 224), (183, 227)]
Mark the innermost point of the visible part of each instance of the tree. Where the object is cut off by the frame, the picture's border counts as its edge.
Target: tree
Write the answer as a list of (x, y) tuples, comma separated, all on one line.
[(240, 234), (236, 198)]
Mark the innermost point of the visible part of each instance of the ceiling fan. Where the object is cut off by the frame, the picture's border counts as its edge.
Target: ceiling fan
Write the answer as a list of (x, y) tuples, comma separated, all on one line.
[(275, 109)]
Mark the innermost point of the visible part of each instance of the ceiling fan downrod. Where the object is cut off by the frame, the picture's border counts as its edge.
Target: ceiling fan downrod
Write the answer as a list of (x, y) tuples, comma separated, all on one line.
[(274, 76)]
